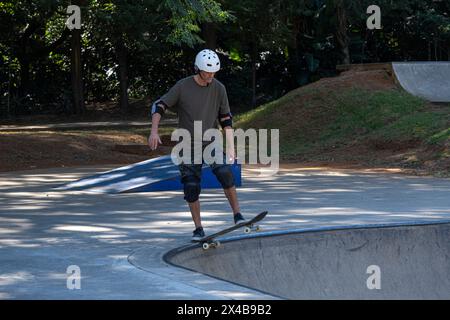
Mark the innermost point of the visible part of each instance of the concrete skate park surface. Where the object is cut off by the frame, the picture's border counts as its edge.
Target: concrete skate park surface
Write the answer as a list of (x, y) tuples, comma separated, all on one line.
[(118, 241), (428, 80), (413, 262)]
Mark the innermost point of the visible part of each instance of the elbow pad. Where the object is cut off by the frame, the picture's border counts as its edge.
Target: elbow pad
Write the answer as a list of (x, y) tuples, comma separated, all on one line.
[(159, 107), (227, 122)]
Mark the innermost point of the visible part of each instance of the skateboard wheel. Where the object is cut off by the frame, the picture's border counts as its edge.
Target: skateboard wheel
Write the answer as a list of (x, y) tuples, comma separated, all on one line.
[(205, 246), (214, 244)]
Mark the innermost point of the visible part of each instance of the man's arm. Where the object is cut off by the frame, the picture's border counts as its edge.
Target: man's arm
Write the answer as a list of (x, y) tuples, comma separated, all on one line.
[(154, 138), (226, 123), (158, 109), (170, 99)]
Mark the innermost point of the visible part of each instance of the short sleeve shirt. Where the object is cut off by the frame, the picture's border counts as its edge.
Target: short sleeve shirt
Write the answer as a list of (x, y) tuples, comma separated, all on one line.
[(193, 102)]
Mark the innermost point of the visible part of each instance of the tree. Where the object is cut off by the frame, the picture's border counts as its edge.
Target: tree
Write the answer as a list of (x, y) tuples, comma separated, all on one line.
[(24, 31), (132, 27)]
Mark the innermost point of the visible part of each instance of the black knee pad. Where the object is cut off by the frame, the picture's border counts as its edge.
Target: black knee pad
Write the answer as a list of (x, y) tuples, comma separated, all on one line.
[(225, 176), (191, 189)]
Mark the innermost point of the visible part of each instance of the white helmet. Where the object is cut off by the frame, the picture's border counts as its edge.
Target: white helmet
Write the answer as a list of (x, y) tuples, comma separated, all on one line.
[(207, 60)]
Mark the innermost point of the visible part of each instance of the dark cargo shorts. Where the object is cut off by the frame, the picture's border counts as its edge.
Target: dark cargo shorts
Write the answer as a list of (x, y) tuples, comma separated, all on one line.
[(196, 169)]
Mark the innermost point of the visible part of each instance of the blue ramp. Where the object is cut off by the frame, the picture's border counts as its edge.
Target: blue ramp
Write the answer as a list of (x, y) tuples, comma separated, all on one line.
[(159, 174)]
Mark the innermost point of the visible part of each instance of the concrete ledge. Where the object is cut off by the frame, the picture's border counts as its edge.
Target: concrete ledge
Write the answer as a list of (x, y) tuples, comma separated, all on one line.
[(332, 263)]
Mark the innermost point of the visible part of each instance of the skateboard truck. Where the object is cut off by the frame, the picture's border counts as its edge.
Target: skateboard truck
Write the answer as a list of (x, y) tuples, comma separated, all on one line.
[(213, 244), (252, 228), (249, 226)]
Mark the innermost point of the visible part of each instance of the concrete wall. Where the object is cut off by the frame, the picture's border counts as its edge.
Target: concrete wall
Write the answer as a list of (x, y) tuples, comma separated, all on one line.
[(414, 262)]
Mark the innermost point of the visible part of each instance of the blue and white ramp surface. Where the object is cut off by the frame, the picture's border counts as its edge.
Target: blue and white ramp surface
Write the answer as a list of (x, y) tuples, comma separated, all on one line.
[(159, 174)]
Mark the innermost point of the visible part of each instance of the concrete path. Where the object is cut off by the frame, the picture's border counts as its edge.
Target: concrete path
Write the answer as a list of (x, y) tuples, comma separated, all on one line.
[(118, 240), (85, 125)]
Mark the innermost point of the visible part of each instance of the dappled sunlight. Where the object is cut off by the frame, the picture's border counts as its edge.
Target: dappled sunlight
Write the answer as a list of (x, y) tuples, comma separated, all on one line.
[(178, 295), (16, 243), (429, 187), (172, 231), (62, 277), (120, 262), (8, 279), (81, 228), (332, 190), (92, 181), (54, 241), (414, 216), (231, 294), (175, 214), (9, 183), (163, 223), (162, 240), (163, 227), (26, 207), (172, 195), (110, 236), (24, 195), (13, 225), (259, 174), (334, 211), (444, 210), (5, 295), (38, 223)]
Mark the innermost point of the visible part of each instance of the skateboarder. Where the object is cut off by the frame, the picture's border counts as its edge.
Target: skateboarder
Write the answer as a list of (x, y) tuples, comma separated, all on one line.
[(200, 97)]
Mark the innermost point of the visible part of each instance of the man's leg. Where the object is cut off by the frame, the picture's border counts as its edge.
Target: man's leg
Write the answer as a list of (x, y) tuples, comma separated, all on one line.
[(191, 177), (232, 199), (195, 212), (225, 176)]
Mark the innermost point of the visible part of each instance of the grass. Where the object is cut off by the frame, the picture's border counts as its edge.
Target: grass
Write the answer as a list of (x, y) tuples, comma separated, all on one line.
[(439, 137), (311, 120)]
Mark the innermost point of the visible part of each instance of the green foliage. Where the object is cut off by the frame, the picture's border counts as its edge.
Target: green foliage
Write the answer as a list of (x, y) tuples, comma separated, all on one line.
[(186, 17), (290, 43), (346, 116)]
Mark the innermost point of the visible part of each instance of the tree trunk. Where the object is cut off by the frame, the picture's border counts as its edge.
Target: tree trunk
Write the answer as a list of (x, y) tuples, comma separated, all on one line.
[(209, 35), (254, 54), (77, 73), (448, 50), (429, 51), (342, 39), (436, 58), (24, 76), (295, 52), (122, 59)]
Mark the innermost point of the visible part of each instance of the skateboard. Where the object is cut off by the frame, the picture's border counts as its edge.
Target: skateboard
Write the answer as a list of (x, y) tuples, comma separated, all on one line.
[(210, 241)]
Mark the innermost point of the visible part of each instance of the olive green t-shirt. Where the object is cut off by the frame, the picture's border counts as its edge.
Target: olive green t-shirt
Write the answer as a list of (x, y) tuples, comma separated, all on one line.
[(193, 102)]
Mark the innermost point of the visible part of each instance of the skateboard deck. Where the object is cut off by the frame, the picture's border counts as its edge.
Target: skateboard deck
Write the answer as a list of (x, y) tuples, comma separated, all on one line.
[(210, 241)]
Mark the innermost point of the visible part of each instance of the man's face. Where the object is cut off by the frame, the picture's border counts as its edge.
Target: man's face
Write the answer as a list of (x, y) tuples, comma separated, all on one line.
[(207, 76)]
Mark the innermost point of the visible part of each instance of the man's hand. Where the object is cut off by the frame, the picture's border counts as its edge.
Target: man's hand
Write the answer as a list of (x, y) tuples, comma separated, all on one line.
[(154, 140), (231, 156)]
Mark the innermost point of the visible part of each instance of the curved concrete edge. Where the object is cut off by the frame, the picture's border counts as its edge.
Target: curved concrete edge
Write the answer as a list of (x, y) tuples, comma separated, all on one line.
[(331, 228), (168, 257), (260, 294), (263, 234), (427, 80), (187, 284)]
